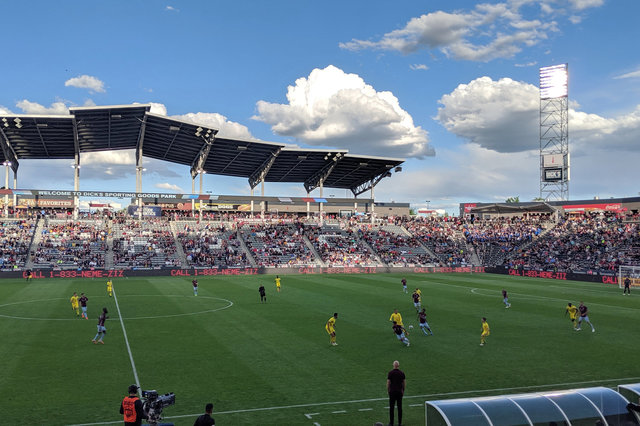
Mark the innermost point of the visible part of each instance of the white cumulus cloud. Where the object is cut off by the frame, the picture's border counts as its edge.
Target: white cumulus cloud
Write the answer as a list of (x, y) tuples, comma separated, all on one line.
[(226, 128), (93, 84), (334, 108), (484, 33), (504, 116), (170, 187), (417, 67), (56, 108)]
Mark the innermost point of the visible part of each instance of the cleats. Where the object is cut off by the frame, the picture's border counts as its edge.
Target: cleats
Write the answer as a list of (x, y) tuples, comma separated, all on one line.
[(101, 342), (481, 344), (94, 342), (593, 330)]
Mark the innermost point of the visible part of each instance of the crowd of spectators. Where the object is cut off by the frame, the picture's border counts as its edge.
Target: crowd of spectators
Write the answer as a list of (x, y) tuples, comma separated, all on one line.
[(591, 242), (396, 249), (15, 238), (208, 244), (443, 236), (72, 244), (587, 243), (143, 244), (341, 247), (277, 244)]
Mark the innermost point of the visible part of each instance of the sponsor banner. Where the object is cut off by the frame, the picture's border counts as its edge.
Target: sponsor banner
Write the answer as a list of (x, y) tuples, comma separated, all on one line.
[(194, 272), (149, 211), (591, 207), (469, 206), (552, 275), (40, 202)]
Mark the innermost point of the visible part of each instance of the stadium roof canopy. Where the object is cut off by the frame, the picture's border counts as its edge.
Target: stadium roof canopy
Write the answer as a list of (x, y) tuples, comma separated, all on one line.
[(106, 128), (513, 208)]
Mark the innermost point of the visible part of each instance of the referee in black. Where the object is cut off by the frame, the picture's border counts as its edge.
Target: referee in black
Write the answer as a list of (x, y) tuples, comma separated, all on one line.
[(206, 419), (395, 387), (627, 284)]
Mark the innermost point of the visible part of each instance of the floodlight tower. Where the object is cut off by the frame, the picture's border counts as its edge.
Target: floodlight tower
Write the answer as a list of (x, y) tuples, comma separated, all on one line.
[(554, 132)]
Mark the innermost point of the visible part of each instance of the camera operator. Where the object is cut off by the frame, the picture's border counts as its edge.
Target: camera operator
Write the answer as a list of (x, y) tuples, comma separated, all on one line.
[(131, 407), (206, 419)]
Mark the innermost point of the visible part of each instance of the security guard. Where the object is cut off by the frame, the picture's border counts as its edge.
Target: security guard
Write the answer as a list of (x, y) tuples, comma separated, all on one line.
[(131, 407)]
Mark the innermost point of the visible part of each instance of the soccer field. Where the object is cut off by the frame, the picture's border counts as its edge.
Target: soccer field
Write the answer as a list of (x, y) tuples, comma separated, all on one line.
[(271, 364)]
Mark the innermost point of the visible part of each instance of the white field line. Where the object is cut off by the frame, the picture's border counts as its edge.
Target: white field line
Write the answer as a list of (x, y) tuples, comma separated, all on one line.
[(423, 396), (126, 340)]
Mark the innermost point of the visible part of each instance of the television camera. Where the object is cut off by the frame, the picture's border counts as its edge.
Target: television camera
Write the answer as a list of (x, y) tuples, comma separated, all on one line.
[(153, 405)]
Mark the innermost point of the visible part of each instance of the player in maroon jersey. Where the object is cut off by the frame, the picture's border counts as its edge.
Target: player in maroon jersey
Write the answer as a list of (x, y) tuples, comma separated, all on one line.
[(195, 287), (584, 316), (399, 332), (83, 304), (102, 331), (422, 321), (416, 300), (505, 299), (404, 285)]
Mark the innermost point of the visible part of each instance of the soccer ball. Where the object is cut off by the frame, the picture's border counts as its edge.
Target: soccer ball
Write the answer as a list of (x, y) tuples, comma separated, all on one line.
[(410, 326)]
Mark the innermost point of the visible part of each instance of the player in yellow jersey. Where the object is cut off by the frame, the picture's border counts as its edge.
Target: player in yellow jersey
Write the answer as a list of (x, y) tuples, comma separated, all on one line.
[(74, 303), (278, 283), (395, 316), (573, 314), (110, 287), (485, 331), (330, 326)]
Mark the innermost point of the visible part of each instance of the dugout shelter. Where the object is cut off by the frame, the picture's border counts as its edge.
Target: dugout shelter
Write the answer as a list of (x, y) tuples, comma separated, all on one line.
[(588, 406)]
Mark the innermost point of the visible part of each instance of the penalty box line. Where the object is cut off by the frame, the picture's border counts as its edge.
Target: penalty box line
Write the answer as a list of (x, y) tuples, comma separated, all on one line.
[(126, 340), (357, 401)]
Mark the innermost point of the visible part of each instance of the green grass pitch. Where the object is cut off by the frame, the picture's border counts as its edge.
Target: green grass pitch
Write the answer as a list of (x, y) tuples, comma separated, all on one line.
[(271, 364)]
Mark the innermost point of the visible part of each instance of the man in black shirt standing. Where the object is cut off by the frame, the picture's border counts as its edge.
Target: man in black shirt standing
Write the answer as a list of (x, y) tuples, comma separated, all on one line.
[(263, 294), (206, 419), (627, 284), (395, 387)]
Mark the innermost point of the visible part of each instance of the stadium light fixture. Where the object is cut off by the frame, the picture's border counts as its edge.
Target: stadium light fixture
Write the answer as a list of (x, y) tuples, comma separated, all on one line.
[(116, 116), (174, 129), (363, 164), (6, 163), (242, 147), (302, 157), (42, 125), (4, 120), (199, 131), (18, 123), (554, 82)]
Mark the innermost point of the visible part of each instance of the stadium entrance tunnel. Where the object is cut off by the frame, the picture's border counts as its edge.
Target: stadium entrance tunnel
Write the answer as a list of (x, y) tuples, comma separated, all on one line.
[(589, 406)]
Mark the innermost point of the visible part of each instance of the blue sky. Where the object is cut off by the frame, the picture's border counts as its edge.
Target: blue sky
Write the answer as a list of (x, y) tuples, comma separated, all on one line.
[(449, 85)]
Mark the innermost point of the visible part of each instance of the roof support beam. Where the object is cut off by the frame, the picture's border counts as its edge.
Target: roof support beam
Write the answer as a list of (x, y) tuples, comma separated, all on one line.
[(261, 173), (370, 184), (317, 179), (76, 141), (44, 145), (198, 163), (139, 145), (8, 151)]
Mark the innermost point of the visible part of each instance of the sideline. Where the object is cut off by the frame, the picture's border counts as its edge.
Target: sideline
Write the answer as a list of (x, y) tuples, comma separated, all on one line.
[(355, 401), (126, 340)]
